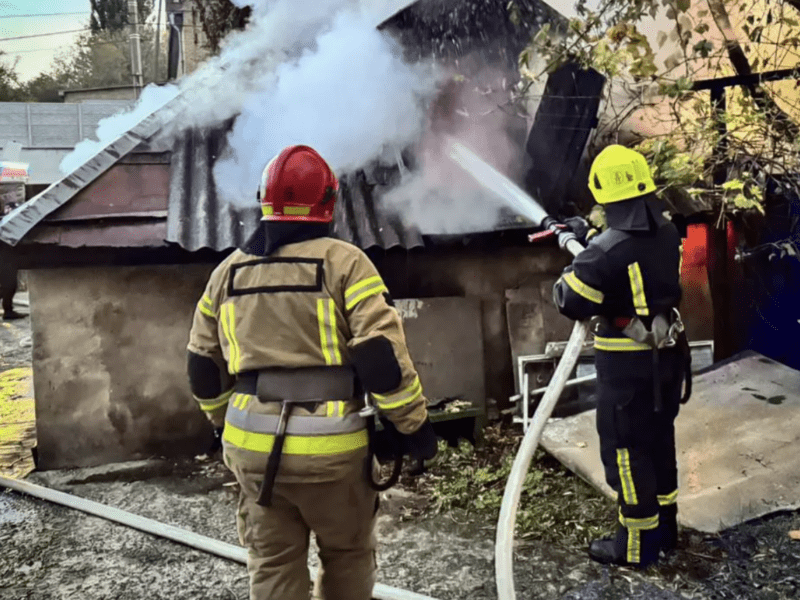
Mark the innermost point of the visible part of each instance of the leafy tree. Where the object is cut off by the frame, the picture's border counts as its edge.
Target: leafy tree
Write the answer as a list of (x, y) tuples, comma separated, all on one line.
[(218, 18), (112, 15), (10, 89), (96, 60), (652, 51)]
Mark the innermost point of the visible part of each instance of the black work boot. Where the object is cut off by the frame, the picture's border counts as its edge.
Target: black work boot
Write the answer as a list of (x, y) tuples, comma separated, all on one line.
[(668, 527), (11, 315), (617, 550)]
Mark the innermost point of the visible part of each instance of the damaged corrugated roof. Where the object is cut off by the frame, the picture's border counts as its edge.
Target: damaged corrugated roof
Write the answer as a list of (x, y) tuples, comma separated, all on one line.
[(198, 218)]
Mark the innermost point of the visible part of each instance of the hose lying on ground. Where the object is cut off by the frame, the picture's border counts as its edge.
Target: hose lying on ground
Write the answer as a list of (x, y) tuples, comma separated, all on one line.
[(170, 532)]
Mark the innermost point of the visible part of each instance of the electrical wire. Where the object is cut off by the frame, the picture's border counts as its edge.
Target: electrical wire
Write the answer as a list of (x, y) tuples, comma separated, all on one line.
[(64, 14), (38, 35)]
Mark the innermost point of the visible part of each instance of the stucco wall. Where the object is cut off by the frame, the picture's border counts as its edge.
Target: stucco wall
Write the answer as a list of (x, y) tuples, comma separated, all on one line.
[(109, 364)]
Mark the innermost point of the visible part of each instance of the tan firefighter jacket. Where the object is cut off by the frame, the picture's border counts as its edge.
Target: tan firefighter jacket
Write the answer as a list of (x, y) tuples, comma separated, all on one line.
[(305, 305)]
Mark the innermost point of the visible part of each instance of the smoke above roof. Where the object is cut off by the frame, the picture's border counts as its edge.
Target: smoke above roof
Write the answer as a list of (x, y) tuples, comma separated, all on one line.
[(317, 73)]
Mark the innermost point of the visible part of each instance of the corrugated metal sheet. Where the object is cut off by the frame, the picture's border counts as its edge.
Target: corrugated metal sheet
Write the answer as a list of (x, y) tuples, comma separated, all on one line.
[(198, 218), (20, 221)]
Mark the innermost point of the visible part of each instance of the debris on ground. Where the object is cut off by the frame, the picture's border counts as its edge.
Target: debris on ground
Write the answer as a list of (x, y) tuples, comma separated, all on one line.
[(795, 535)]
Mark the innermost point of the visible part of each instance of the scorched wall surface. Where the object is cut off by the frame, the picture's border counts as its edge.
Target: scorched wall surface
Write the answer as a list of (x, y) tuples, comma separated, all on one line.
[(109, 364)]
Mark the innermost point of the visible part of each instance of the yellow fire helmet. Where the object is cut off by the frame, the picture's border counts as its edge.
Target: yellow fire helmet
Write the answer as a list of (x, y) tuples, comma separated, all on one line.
[(619, 173)]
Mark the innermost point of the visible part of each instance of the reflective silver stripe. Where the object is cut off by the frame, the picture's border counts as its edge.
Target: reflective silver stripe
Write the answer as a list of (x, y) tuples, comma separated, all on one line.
[(305, 426)]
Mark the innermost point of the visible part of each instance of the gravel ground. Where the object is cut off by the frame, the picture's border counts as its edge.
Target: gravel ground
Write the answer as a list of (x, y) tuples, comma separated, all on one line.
[(50, 552), (54, 553)]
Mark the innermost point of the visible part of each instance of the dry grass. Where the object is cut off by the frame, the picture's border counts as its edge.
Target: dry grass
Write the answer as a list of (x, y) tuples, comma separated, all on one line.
[(17, 422)]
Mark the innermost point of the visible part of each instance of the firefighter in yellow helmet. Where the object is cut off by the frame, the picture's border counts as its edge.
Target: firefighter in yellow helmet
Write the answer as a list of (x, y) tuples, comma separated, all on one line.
[(290, 332), (628, 281)]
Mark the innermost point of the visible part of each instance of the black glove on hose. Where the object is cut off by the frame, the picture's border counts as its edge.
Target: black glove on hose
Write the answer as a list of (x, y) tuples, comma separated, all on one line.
[(580, 227), (422, 444)]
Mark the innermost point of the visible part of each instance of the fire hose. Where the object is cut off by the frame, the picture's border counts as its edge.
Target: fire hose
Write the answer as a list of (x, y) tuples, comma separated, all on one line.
[(170, 532), (501, 186)]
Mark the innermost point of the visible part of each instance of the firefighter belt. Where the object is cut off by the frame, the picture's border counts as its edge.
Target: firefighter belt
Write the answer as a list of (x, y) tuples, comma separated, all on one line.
[(666, 331), (292, 387)]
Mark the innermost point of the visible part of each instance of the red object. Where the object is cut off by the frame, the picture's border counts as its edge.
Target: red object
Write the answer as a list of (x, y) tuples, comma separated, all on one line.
[(622, 322), (298, 185), (544, 234)]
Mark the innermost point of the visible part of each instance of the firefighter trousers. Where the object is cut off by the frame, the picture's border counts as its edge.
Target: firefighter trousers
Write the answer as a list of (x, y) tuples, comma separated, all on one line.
[(341, 514), (637, 444)]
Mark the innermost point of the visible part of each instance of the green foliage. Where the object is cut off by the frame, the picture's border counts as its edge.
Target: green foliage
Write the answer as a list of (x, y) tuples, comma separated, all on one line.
[(10, 89), (220, 17), (112, 15), (556, 506), (761, 132)]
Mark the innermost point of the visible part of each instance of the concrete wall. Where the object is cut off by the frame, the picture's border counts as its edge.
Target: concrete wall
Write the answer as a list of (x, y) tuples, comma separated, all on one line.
[(109, 364), (485, 274), (111, 93)]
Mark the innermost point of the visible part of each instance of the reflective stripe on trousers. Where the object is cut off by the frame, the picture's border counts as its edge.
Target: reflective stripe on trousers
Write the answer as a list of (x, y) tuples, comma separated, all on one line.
[(306, 435)]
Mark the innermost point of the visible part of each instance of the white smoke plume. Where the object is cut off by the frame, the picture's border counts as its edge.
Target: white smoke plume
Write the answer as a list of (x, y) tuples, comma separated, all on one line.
[(317, 73), (439, 198), (351, 97), (109, 129)]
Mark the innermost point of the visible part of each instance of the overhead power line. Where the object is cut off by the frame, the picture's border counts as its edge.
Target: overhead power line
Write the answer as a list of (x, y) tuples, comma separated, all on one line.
[(63, 14), (38, 35)]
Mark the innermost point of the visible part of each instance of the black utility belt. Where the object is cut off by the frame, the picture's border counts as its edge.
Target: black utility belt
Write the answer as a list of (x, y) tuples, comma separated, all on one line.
[(301, 385)]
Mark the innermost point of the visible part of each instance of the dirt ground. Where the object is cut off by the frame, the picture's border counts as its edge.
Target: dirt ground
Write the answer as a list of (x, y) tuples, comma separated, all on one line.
[(54, 553)]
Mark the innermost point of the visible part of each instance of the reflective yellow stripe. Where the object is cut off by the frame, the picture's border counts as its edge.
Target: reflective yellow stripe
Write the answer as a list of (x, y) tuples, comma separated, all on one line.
[(619, 345), (323, 332), (668, 499), (341, 408), (401, 398), (330, 409), (297, 210), (267, 211), (580, 288), (631, 523), (295, 444), (206, 306), (634, 553), (334, 333), (214, 403), (364, 289), (229, 328), (637, 289), (626, 477), (328, 334)]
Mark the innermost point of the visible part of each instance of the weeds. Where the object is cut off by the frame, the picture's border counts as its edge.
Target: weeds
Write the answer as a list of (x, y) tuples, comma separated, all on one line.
[(556, 506)]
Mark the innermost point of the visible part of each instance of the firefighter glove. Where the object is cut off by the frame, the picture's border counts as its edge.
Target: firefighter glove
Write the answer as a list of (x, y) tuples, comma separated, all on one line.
[(580, 227), (422, 444)]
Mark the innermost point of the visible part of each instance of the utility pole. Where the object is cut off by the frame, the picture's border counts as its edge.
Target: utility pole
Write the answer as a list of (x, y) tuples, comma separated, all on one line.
[(136, 48), (158, 41)]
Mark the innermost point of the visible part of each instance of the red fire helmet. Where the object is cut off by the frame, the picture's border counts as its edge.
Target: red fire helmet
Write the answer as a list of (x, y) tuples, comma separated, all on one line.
[(298, 185)]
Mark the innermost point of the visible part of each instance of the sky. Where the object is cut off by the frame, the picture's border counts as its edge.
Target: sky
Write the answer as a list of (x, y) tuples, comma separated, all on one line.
[(36, 54)]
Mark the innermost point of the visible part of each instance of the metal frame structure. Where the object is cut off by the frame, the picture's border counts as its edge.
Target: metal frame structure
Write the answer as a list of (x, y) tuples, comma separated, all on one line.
[(554, 351)]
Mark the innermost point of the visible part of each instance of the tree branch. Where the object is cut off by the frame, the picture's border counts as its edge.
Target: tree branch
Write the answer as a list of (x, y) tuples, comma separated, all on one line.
[(783, 122)]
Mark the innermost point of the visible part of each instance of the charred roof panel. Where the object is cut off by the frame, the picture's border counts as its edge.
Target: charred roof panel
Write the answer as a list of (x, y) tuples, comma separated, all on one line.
[(199, 218)]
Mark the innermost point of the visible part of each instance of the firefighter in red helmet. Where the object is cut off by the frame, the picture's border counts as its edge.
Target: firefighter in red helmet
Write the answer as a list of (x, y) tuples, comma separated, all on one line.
[(290, 331)]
